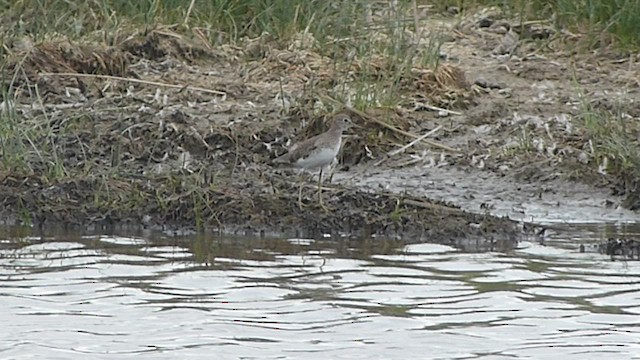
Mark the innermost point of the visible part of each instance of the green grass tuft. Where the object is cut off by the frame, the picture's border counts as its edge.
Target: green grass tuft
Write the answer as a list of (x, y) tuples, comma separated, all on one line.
[(603, 21), (613, 146)]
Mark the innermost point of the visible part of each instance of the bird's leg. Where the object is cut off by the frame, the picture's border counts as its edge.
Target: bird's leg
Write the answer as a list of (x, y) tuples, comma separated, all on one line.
[(332, 168), (320, 193), (320, 186), (300, 204)]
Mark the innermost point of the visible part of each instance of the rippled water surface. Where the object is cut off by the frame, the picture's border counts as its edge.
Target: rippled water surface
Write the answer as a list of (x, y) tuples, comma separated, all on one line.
[(160, 297)]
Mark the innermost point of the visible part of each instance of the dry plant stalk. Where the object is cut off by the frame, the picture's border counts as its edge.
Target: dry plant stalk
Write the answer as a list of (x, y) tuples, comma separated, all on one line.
[(146, 82)]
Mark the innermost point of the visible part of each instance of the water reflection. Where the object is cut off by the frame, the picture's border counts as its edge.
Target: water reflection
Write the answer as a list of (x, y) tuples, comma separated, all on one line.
[(75, 296)]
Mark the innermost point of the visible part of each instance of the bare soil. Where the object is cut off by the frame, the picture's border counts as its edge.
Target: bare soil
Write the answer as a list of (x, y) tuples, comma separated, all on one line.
[(198, 155)]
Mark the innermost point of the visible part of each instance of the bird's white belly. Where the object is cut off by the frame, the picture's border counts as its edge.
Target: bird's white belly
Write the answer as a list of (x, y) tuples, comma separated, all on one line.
[(319, 158)]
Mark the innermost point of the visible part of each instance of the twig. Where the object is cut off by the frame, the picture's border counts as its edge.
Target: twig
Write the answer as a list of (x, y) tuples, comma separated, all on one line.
[(399, 131), (426, 205), (154, 83), (55, 106), (406, 163), (398, 151), (188, 14), (535, 22), (402, 149), (417, 33), (435, 108)]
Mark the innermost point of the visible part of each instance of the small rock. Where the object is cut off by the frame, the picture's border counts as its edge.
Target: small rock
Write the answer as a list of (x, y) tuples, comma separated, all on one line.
[(482, 129), (541, 33), (453, 10), (508, 44), (506, 92), (485, 22), (484, 83)]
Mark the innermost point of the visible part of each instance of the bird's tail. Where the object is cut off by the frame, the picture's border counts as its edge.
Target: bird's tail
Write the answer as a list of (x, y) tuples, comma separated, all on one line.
[(284, 159)]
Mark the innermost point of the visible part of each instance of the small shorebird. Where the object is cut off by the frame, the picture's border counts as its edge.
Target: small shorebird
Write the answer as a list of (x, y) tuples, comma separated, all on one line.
[(317, 152)]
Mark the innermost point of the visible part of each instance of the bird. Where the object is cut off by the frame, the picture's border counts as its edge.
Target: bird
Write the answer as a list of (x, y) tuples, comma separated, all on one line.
[(317, 152)]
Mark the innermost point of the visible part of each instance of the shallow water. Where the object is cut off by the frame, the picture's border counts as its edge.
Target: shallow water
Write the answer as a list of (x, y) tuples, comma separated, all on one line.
[(158, 297)]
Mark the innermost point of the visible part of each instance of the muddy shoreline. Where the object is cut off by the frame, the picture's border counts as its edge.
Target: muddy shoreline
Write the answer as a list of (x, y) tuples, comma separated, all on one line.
[(355, 213), (163, 131)]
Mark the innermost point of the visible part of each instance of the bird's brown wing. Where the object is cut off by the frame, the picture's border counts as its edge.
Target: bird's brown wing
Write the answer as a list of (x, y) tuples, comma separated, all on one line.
[(299, 150)]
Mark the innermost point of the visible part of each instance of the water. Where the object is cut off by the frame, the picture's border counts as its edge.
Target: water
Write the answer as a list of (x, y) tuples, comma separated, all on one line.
[(158, 297)]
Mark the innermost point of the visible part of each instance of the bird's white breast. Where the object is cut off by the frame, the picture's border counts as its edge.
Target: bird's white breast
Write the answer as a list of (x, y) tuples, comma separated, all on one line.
[(319, 158)]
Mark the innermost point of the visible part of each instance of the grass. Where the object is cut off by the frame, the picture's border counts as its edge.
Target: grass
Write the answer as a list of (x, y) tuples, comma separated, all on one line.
[(613, 143), (29, 144), (618, 18), (339, 29), (236, 19), (11, 144), (603, 22)]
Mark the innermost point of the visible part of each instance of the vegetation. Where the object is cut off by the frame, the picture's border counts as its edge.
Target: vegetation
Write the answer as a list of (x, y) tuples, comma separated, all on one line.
[(614, 147), (225, 20), (339, 31), (604, 22)]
